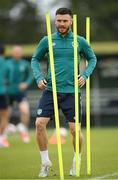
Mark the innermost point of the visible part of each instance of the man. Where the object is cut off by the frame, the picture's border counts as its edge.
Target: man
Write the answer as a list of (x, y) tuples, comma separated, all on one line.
[(19, 80), (64, 72), (3, 99)]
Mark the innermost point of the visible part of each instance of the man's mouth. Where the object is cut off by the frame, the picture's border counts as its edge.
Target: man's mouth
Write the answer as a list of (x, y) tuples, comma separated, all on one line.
[(62, 28)]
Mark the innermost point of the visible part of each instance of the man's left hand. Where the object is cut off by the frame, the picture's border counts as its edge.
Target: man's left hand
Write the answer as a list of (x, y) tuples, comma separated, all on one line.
[(23, 86), (81, 81)]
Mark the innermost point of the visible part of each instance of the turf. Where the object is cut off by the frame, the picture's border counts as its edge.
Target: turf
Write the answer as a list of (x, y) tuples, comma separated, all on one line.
[(21, 161)]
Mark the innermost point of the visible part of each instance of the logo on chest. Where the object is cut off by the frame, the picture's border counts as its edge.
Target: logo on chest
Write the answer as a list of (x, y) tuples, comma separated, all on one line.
[(22, 68), (73, 44)]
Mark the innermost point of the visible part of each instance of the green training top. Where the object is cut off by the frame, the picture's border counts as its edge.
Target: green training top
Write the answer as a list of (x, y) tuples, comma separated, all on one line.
[(63, 53), (3, 75), (19, 72)]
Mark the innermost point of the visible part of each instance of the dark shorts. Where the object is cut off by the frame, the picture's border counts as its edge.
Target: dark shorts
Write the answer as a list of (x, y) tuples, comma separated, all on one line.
[(17, 98), (3, 101), (66, 102)]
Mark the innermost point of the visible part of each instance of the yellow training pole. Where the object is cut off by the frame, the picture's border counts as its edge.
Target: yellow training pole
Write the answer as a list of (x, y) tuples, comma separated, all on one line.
[(88, 105), (54, 96), (76, 94)]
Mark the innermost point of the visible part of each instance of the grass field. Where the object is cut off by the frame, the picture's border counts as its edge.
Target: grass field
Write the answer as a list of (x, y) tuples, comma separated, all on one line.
[(21, 161)]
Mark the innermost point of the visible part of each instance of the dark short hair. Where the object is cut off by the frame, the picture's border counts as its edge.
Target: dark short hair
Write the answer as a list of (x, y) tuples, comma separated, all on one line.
[(63, 11)]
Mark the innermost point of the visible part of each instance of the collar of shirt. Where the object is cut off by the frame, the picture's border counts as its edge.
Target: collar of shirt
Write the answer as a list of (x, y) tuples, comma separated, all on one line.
[(69, 33), (2, 57), (16, 60)]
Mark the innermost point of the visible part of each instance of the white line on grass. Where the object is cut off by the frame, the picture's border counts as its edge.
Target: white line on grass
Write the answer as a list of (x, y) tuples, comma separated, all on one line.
[(105, 176)]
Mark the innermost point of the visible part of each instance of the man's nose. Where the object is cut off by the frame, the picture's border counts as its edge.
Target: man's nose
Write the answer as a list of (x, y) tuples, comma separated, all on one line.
[(61, 23)]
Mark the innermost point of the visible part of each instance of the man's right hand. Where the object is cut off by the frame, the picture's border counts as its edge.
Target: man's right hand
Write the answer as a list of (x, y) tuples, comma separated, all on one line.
[(42, 84)]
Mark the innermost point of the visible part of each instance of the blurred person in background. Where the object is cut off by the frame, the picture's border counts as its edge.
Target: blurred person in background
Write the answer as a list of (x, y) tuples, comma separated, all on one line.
[(3, 99), (20, 78), (64, 74)]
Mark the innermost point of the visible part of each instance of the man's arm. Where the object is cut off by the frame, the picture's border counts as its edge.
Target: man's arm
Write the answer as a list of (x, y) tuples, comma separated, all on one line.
[(24, 85), (40, 52), (90, 56), (7, 73), (29, 74)]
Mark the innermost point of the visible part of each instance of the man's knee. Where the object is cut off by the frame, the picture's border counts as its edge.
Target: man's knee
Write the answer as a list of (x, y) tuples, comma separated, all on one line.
[(41, 124), (24, 108)]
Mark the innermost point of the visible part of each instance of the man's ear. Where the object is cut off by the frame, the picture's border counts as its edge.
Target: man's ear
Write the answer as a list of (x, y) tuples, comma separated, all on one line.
[(71, 21), (55, 22)]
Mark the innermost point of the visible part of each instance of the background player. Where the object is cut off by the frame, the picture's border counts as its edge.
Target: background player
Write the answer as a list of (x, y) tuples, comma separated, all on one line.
[(3, 99), (20, 78)]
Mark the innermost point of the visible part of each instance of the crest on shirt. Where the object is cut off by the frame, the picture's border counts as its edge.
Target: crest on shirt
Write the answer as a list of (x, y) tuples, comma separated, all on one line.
[(39, 111), (73, 44), (22, 68)]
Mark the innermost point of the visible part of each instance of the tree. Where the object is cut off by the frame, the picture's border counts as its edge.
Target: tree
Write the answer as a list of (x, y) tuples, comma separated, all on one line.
[(103, 14), (19, 22)]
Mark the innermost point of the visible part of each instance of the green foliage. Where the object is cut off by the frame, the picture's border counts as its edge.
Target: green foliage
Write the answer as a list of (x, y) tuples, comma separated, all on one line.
[(22, 29), (27, 27), (103, 14)]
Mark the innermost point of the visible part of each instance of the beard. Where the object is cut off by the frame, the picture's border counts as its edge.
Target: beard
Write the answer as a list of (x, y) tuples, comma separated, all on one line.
[(63, 30)]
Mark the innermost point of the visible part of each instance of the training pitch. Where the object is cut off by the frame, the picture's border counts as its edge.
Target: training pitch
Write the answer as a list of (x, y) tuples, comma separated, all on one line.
[(21, 161)]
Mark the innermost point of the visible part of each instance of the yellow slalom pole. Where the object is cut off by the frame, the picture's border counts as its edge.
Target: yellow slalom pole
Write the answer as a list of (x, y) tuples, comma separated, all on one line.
[(88, 105), (76, 94), (54, 96)]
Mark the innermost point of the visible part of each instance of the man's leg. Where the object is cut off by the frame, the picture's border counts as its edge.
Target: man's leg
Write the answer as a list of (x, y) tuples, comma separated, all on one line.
[(3, 120), (25, 117), (41, 133), (3, 124), (9, 111), (72, 130), (45, 112), (25, 112), (42, 141)]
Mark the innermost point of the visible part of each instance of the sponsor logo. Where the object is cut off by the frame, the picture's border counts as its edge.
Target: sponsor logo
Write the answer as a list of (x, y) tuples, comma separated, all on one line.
[(53, 44)]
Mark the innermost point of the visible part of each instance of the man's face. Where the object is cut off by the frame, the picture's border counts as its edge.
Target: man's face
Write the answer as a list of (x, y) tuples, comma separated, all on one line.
[(63, 23), (17, 52)]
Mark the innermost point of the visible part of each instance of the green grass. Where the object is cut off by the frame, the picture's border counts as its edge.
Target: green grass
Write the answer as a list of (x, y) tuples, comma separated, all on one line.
[(22, 161)]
